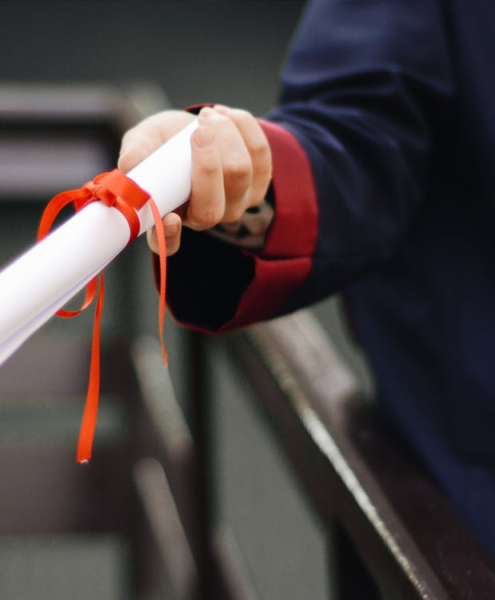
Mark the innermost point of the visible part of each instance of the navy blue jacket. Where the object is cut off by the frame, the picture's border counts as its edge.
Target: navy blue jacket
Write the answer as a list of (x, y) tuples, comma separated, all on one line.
[(384, 188)]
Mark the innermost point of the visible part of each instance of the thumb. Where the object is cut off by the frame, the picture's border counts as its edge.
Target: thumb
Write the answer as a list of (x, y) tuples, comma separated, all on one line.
[(172, 226)]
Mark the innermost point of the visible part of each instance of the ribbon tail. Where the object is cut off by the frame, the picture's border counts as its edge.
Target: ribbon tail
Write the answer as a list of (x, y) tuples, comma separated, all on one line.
[(116, 190), (162, 257), (88, 426), (89, 295)]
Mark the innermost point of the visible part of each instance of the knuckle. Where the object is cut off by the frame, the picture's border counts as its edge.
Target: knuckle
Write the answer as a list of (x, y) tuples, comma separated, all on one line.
[(205, 218), (260, 148), (241, 115), (264, 173), (238, 170), (236, 207), (259, 191), (209, 220), (208, 167), (261, 157), (210, 118), (261, 152), (263, 166), (233, 214)]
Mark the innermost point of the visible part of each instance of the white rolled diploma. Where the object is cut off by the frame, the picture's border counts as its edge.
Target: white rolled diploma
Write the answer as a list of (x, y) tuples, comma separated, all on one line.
[(43, 279)]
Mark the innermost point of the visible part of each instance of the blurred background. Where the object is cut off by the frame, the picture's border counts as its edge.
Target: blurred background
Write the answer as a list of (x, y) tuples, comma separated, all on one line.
[(73, 77)]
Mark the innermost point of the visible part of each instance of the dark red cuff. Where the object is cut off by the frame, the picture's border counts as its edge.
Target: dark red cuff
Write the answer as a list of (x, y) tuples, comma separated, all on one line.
[(295, 227), (269, 277), (195, 108), (286, 260), (274, 281)]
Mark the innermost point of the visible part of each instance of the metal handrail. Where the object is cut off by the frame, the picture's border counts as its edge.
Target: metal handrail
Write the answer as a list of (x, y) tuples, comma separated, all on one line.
[(357, 475)]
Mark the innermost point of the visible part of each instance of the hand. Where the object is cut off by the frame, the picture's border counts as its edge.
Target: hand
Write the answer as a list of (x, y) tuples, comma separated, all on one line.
[(231, 166)]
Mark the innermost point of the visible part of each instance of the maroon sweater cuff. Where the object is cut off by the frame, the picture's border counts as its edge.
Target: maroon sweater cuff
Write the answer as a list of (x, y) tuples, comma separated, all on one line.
[(273, 274), (286, 260)]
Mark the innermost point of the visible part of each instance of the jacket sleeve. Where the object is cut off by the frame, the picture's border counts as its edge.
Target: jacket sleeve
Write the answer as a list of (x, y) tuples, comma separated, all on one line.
[(364, 86)]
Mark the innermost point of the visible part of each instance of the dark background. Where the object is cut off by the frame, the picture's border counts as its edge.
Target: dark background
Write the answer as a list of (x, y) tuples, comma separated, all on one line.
[(227, 51)]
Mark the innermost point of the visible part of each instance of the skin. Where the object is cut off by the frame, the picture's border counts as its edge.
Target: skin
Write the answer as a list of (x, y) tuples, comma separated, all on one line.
[(231, 166)]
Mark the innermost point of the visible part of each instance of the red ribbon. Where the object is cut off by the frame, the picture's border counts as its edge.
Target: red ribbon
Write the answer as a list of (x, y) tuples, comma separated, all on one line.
[(116, 190)]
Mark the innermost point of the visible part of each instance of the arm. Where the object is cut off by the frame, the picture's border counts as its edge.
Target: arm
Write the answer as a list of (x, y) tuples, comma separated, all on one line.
[(366, 89), (350, 143)]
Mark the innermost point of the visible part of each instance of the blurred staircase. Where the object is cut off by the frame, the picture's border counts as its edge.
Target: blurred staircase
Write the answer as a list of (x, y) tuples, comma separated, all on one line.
[(65, 529), (70, 531), (62, 567)]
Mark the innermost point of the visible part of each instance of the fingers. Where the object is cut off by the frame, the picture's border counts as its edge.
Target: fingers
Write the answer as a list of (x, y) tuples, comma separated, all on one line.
[(241, 163), (235, 163), (231, 166), (258, 148), (206, 207)]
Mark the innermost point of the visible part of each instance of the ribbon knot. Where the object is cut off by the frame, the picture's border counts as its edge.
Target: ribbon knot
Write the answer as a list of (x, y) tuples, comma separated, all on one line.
[(93, 189), (115, 190)]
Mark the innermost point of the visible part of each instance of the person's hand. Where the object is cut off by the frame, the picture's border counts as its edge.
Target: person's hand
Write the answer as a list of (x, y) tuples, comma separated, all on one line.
[(231, 166)]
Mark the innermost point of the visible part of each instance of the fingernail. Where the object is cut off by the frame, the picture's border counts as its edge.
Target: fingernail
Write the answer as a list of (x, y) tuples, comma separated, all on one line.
[(207, 111), (220, 108), (203, 137)]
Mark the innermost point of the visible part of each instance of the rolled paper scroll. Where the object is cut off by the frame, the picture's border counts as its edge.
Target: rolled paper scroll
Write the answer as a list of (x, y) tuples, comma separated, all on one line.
[(43, 279)]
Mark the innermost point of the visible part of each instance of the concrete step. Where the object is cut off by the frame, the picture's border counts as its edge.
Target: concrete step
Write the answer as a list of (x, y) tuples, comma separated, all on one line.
[(74, 567)]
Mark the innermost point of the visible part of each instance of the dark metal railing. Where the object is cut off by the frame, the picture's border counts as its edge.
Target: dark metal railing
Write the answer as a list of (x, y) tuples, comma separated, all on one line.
[(391, 530)]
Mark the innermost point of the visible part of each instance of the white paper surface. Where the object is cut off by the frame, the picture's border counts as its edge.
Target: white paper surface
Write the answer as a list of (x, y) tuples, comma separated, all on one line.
[(43, 279)]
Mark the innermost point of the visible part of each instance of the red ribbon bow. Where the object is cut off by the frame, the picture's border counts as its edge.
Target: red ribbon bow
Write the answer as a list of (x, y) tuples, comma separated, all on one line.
[(116, 190)]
